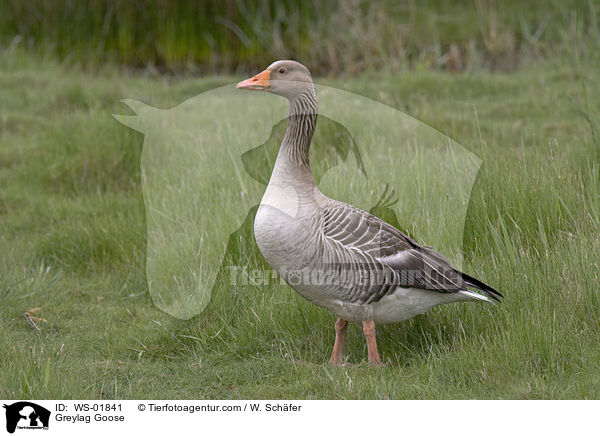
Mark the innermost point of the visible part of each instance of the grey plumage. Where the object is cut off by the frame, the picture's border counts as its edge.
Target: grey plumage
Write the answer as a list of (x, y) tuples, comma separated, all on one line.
[(340, 257)]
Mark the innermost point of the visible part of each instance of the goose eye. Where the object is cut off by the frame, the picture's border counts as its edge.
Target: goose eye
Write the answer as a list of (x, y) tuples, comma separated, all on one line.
[(282, 70)]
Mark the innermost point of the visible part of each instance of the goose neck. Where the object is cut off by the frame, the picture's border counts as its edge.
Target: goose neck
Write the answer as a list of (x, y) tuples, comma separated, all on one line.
[(302, 121)]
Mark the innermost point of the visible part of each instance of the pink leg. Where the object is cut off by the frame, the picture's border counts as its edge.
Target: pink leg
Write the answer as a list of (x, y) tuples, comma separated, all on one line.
[(337, 356), (369, 331)]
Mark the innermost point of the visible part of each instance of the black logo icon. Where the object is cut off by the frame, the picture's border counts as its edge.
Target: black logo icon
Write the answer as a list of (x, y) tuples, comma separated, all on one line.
[(24, 414)]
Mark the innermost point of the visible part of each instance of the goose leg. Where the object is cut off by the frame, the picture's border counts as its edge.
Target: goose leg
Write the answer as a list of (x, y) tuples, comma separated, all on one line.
[(369, 331), (337, 356)]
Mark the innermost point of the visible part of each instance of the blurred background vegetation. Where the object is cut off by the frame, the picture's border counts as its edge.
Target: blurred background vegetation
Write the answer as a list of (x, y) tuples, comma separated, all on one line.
[(332, 36)]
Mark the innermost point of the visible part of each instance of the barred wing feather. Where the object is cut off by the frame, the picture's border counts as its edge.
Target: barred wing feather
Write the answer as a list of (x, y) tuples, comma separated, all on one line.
[(358, 237)]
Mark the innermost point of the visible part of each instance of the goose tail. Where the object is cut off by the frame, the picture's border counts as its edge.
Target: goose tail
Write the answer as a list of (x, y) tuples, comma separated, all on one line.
[(487, 291)]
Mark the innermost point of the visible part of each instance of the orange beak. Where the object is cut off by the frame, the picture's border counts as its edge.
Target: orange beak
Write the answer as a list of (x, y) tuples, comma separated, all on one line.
[(260, 82)]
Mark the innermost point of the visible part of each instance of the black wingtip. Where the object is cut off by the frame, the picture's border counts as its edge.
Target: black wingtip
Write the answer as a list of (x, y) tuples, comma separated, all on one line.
[(479, 285)]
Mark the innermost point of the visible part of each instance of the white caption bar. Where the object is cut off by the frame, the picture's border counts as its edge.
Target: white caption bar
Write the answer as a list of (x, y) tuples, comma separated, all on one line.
[(153, 417)]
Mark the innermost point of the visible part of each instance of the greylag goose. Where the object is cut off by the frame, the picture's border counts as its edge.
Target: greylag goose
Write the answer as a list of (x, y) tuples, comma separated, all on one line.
[(339, 257)]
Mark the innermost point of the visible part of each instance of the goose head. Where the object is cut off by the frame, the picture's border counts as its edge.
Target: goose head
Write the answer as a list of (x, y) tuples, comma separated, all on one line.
[(288, 79)]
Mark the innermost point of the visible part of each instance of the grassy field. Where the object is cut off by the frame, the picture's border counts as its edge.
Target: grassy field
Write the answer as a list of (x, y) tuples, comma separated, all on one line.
[(78, 322)]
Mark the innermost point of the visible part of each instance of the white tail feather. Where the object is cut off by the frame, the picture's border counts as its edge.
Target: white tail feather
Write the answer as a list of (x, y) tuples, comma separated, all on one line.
[(475, 296)]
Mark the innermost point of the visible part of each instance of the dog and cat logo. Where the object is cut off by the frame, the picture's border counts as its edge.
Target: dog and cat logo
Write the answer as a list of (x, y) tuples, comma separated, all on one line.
[(26, 415)]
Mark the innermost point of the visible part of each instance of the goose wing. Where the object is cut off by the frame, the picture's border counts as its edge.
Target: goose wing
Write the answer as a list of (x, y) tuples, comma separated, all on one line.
[(379, 247)]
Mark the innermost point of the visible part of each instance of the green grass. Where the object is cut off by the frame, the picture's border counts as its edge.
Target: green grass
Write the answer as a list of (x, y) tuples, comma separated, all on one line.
[(229, 35), (74, 244)]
